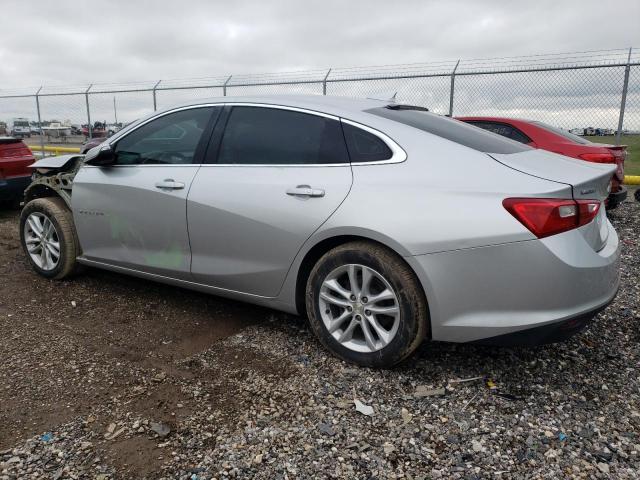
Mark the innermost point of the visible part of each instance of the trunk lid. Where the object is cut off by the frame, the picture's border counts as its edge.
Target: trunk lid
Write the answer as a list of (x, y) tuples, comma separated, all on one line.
[(588, 181)]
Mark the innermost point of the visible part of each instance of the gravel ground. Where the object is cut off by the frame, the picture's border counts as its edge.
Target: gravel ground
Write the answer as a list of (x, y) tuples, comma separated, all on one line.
[(110, 377)]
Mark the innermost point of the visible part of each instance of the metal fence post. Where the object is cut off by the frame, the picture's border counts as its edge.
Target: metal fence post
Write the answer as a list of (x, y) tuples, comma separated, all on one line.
[(324, 83), (155, 103), (224, 87), (623, 102), (86, 98), (40, 132), (453, 81)]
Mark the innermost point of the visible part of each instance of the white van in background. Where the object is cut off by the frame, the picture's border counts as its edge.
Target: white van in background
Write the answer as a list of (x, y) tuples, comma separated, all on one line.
[(20, 128)]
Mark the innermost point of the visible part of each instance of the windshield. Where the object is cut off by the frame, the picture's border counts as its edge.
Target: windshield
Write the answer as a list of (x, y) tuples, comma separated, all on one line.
[(450, 129), (21, 124), (563, 133)]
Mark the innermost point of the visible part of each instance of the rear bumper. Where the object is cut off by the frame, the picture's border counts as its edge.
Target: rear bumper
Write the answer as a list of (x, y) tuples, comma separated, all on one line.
[(13, 188), (544, 287), (545, 334), (616, 198)]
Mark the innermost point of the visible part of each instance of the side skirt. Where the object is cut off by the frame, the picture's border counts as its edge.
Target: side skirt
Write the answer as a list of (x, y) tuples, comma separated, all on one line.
[(269, 302)]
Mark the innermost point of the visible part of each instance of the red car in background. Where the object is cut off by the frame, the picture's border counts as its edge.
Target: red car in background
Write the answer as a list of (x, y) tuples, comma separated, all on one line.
[(540, 135), (15, 174)]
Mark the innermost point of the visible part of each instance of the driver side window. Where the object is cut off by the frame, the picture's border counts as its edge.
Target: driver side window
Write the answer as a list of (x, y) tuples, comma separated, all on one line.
[(170, 139)]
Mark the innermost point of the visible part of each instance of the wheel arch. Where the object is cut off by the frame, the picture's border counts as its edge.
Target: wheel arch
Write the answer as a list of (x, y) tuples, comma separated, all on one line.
[(322, 246), (39, 190)]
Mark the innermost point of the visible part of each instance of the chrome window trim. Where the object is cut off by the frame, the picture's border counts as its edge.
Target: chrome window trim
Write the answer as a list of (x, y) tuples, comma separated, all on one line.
[(117, 138), (283, 107), (398, 154), (277, 165)]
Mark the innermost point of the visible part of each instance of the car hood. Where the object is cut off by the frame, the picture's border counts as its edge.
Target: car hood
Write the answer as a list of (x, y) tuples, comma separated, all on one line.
[(55, 163)]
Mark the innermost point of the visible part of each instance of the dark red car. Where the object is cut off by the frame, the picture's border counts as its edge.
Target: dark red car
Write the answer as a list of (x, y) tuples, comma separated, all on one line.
[(15, 176), (546, 137)]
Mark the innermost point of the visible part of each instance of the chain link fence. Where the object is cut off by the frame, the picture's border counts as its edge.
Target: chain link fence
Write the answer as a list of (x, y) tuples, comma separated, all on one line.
[(581, 91)]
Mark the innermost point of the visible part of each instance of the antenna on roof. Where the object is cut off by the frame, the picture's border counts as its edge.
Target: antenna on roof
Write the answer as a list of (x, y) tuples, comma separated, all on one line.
[(385, 97)]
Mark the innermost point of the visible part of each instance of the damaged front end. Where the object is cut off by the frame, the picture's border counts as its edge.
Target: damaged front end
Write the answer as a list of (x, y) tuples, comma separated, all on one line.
[(53, 176)]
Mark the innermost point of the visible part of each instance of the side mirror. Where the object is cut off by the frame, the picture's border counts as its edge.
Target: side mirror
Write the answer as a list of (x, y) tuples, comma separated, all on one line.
[(100, 156)]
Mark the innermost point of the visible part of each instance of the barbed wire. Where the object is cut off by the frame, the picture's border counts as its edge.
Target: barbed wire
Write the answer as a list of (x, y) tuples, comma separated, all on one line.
[(588, 58)]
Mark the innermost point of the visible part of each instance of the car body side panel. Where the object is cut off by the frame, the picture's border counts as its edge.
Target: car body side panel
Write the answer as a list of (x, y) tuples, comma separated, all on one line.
[(245, 229), (489, 291), (410, 203), (483, 272), (445, 216), (124, 220)]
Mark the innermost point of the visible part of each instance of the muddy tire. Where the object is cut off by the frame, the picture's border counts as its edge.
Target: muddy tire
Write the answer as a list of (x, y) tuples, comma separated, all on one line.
[(366, 305), (48, 237)]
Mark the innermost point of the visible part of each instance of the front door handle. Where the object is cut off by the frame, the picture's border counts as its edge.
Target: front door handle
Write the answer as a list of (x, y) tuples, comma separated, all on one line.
[(305, 191), (170, 184)]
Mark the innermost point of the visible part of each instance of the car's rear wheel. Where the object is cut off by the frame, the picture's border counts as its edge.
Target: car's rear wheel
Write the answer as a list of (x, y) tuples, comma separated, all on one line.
[(48, 237), (366, 305)]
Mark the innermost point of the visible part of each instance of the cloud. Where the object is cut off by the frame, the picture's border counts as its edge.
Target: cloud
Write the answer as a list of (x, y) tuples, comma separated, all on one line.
[(70, 43)]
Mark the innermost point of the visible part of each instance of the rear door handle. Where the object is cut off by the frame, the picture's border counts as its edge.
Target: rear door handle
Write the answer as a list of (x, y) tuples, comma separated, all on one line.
[(305, 191), (170, 184)]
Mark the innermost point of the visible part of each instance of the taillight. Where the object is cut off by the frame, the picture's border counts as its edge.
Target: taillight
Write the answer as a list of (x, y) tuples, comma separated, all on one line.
[(598, 157), (549, 216)]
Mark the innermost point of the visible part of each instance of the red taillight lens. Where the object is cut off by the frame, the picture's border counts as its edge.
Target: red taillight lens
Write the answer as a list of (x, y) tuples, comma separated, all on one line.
[(549, 216), (598, 157), (616, 156)]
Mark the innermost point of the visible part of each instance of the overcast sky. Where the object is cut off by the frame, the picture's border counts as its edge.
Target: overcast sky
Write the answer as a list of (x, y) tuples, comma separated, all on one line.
[(73, 43), (55, 42)]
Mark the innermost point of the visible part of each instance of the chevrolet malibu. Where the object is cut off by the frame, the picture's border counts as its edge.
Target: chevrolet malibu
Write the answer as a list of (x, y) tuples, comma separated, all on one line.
[(342, 210)]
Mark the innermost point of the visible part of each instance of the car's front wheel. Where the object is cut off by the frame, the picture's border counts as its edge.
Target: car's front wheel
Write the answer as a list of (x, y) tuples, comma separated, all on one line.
[(48, 237), (366, 305)]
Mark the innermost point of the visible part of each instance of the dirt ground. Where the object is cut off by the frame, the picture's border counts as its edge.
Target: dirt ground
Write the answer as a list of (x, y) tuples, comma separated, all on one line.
[(66, 341)]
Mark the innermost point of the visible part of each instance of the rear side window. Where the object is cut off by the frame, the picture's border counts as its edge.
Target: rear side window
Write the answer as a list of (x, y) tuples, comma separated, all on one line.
[(502, 129), (272, 136), (563, 133), (453, 130), (364, 146)]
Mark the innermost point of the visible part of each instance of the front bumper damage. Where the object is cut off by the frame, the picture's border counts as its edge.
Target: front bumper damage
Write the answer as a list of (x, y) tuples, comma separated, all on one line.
[(54, 174)]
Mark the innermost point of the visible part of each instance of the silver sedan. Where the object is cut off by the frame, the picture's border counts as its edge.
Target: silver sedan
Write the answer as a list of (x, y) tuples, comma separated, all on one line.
[(383, 223)]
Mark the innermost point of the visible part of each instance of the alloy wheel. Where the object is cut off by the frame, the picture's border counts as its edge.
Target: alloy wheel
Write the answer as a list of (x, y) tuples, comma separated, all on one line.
[(42, 241), (359, 308)]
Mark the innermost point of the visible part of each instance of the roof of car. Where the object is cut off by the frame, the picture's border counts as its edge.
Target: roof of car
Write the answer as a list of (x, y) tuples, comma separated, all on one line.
[(344, 107), (321, 103), (7, 139)]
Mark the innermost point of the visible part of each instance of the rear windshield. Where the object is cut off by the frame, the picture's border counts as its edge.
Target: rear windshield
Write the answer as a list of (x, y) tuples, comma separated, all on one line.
[(453, 130), (563, 133)]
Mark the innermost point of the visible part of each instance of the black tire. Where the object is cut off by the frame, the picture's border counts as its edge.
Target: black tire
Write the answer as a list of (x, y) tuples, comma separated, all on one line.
[(57, 211), (414, 317), (637, 194)]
